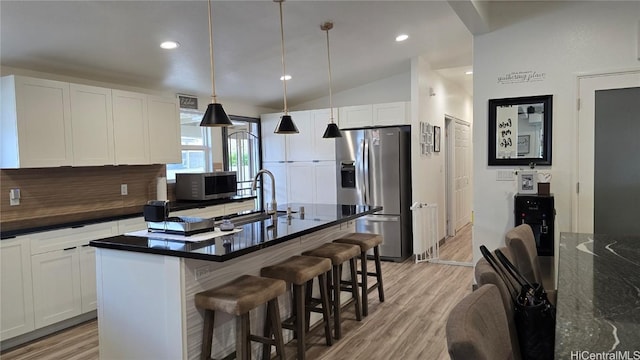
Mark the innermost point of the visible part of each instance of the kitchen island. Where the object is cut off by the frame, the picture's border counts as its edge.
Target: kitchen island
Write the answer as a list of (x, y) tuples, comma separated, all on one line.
[(146, 285)]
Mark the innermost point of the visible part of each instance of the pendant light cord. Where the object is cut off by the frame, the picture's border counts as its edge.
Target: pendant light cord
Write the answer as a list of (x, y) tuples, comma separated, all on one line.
[(326, 27), (284, 71), (213, 77)]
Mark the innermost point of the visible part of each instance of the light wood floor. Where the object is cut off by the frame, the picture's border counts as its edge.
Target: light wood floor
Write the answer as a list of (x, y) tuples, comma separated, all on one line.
[(410, 324), (458, 248)]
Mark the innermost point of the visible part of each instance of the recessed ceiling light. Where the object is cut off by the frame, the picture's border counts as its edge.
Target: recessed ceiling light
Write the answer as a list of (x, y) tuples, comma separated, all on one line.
[(285, 77), (402, 37), (468, 72), (169, 45)]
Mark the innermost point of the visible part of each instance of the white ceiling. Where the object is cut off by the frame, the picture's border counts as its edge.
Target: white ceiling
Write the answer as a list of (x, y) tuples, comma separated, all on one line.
[(118, 42)]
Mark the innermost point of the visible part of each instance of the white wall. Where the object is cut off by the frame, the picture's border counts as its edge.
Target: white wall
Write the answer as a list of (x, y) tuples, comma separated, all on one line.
[(576, 38), (428, 171), (390, 89)]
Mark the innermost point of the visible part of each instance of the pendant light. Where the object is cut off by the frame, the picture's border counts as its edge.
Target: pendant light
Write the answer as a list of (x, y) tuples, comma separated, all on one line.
[(215, 114), (332, 130), (286, 125)]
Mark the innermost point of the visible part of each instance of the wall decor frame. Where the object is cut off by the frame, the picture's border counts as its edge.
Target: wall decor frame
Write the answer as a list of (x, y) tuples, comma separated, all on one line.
[(426, 138), (510, 121), (436, 138)]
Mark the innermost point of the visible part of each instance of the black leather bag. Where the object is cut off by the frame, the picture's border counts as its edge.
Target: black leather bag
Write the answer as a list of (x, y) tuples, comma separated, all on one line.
[(535, 316)]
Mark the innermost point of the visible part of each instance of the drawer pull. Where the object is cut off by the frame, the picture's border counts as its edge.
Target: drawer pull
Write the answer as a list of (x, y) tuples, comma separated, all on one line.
[(85, 245), (77, 226), (69, 248)]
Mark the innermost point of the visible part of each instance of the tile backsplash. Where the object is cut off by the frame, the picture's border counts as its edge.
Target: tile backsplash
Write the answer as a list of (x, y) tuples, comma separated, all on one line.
[(50, 196)]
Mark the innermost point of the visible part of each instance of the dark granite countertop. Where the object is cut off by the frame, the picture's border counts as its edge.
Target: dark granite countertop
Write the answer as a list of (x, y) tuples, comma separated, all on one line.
[(253, 237), (173, 206), (598, 308)]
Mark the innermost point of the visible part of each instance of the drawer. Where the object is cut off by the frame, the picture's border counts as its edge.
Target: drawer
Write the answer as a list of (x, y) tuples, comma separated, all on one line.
[(71, 237), (131, 225)]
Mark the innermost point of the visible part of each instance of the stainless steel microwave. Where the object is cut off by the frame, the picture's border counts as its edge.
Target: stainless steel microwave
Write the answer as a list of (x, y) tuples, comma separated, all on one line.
[(206, 186)]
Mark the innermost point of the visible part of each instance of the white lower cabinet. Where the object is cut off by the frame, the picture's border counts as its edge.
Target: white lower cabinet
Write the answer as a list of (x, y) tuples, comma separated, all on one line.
[(63, 268), (88, 292), (16, 292), (56, 286)]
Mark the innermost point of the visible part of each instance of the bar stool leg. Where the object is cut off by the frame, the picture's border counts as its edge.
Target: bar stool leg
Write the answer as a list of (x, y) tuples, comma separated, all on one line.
[(242, 337), (354, 287), (308, 297), (376, 252), (298, 292), (324, 296), (335, 290), (274, 319), (365, 304), (207, 335)]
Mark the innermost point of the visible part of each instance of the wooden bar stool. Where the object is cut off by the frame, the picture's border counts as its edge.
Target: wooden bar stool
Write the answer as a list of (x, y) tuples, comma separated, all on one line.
[(339, 254), (366, 242), (238, 297), (299, 271)]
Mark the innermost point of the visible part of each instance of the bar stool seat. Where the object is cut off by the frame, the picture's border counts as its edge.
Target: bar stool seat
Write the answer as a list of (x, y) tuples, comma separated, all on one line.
[(367, 241), (339, 254), (299, 271), (238, 298)]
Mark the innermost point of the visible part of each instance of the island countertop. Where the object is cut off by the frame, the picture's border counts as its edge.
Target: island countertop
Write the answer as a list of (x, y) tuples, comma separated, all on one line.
[(252, 236), (598, 308)]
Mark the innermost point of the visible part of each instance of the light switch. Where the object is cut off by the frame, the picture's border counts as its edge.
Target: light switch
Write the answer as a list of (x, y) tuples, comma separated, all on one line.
[(505, 175)]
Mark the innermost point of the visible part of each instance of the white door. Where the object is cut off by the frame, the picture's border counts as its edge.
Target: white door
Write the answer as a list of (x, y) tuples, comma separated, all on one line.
[(164, 130), (462, 171), (88, 278), (92, 125), (584, 205), (16, 304), (130, 128)]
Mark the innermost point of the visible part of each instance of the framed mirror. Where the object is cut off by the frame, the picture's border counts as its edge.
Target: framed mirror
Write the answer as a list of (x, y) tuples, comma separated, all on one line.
[(520, 130)]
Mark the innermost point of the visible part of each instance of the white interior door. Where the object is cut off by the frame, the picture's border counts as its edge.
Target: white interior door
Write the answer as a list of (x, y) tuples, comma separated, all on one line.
[(462, 177), (588, 86)]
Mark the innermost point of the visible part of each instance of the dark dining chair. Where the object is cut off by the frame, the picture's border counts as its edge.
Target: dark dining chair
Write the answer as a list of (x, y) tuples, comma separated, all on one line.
[(485, 274), (477, 327), (522, 243)]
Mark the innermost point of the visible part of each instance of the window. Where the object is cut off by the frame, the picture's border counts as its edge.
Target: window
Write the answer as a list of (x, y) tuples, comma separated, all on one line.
[(242, 151), (196, 146), (237, 147)]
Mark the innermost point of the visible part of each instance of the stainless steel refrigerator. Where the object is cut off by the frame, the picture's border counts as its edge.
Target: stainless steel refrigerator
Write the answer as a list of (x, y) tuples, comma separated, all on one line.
[(374, 168)]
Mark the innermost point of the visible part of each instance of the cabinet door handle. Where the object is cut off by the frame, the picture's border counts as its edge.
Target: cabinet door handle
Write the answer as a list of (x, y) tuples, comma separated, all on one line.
[(77, 226), (69, 248), (85, 245)]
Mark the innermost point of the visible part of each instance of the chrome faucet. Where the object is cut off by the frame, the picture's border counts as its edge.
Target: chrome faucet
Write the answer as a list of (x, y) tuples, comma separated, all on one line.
[(274, 206)]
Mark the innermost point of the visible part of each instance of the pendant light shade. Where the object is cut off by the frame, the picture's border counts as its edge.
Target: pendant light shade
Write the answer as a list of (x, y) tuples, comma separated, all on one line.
[(215, 114), (332, 130), (286, 125)]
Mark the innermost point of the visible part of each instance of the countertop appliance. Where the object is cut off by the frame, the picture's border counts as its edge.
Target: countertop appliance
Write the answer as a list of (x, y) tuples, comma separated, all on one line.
[(156, 214), (206, 186), (374, 168)]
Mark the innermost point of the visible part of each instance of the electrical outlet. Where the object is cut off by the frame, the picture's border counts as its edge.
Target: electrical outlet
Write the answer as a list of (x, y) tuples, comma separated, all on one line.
[(124, 190), (14, 197), (202, 271)]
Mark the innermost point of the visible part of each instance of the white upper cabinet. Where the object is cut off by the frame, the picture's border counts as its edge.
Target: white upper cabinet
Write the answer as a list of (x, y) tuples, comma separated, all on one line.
[(36, 123), (396, 113), (92, 125), (130, 128), (273, 145), (387, 114), (300, 146), (355, 116), (51, 123), (323, 149), (307, 145), (164, 130)]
